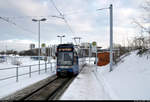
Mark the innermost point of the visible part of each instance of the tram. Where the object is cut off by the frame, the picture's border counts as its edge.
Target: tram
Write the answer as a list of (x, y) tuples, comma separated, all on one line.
[(67, 60)]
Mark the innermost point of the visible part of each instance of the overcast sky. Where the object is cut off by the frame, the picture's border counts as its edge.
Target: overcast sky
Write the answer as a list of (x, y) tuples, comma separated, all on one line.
[(82, 16)]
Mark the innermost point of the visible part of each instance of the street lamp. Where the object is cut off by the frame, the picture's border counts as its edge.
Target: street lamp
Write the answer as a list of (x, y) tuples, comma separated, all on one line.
[(61, 38), (61, 17), (36, 20), (111, 34)]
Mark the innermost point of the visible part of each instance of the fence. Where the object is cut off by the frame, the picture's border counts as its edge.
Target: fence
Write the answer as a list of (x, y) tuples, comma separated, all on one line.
[(29, 67), (46, 66)]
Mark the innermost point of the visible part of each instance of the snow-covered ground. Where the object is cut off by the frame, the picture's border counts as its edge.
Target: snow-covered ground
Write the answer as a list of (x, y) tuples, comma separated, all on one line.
[(129, 80), (9, 86)]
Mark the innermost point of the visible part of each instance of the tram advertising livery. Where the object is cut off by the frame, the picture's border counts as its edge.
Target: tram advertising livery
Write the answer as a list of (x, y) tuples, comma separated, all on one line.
[(67, 60)]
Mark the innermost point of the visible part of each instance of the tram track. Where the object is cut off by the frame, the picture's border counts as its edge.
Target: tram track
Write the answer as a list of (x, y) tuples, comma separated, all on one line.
[(30, 94), (47, 92), (59, 93)]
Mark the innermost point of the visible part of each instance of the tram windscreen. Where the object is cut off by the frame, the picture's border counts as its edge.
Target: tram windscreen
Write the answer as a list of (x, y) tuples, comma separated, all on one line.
[(65, 58)]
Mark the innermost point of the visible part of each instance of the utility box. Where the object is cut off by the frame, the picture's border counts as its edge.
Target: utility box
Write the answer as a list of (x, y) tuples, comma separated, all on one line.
[(103, 58)]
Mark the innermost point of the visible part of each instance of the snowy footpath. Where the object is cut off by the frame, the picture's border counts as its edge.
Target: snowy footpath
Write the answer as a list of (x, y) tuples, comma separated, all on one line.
[(86, 87)]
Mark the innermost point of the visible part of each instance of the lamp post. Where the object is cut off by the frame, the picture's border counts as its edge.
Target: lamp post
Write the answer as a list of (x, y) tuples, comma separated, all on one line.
[(61, 38), (36, 20), (111, 34)]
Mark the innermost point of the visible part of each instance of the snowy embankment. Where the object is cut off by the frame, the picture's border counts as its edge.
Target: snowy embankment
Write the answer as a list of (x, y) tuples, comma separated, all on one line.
[(129, 80)]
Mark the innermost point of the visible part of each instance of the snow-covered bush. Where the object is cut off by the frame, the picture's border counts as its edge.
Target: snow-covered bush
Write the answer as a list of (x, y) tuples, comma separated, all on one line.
[(142, 51)]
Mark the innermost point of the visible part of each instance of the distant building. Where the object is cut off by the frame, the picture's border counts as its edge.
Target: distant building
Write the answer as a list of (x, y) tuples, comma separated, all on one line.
[(49, 51)]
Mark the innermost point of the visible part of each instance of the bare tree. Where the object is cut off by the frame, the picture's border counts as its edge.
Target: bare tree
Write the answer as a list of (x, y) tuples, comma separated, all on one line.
[(144, 22), (143, 42)]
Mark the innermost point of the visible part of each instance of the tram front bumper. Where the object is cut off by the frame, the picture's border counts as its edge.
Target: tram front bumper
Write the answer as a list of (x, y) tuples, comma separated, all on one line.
[(64, 71)]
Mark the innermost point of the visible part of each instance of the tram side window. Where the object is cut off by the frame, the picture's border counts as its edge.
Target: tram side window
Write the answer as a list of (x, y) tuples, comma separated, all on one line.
[(75, 60), (60, 58)]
